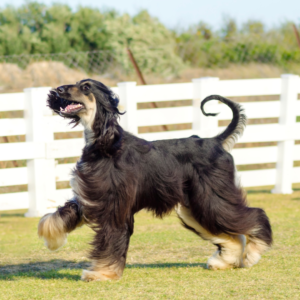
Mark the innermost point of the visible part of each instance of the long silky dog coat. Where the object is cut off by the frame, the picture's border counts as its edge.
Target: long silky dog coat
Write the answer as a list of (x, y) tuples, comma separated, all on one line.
[(119, 174)]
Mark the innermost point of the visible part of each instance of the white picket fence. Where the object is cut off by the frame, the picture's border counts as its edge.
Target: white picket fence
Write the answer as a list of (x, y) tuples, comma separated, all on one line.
[(40, 149)]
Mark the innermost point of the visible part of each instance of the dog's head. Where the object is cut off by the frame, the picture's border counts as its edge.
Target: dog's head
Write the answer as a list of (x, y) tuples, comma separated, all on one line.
[(88, 101)]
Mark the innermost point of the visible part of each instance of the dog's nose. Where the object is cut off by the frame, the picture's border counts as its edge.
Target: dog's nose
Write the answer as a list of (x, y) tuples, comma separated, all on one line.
[(60, 89)]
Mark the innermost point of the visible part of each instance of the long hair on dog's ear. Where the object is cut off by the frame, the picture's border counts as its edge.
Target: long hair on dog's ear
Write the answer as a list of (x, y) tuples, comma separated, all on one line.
[(107, 131)]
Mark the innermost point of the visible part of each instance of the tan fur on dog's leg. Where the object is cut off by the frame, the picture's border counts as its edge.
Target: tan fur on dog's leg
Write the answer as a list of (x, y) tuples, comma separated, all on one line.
[(253, 251), (230, 254), (51, 228), (100, 271)]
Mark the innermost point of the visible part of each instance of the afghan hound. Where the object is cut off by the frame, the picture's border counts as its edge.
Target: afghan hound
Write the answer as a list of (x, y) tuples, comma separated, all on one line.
[(120, 174)]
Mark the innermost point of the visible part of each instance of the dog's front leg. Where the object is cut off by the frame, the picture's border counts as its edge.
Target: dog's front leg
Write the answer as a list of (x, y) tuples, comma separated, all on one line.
[(109, 253)]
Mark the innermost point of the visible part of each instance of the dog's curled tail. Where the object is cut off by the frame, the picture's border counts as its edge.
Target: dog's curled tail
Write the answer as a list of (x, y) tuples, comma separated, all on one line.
[(54, 227), (236, 127)]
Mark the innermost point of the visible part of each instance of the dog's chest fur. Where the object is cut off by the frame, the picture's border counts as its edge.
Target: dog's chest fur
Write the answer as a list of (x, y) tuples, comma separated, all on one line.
[(78, 185), (82, 172)]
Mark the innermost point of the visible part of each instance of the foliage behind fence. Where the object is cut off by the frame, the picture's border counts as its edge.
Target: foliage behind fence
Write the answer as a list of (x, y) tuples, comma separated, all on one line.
[(35, 28)]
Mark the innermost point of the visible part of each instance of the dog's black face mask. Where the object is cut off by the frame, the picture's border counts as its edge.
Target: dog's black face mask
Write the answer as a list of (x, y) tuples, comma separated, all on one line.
[(87, 102)]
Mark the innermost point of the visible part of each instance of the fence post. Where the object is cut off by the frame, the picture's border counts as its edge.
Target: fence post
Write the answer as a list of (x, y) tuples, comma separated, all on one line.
[(202, 125), (41, 171), (128, 103), (284, 165)]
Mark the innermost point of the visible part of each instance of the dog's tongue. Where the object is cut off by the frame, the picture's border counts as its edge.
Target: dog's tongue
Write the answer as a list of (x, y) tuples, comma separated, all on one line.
[(71, 108)]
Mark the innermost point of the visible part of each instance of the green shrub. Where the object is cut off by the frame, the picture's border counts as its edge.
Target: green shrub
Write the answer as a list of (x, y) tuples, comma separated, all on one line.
[(35, 28)]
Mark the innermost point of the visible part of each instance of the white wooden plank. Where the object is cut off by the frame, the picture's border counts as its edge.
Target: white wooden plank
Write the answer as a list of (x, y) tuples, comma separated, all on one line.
[(63, 172), (15, 101), (159, 116), (297, 152), (260, 155), (257, 177), (63, 195), (296, 175), (253, 133), (14, 201), (12, 101), (65, 148), (163, 92), (249, 178), (58, 198), (253, 110), (18, 151), (166, 135), (148, 117), (298, 107), (250, 87), (288, 99), (115, 90), (175, 91), (255, 155), (13, 176), (264, 177), (12, 127), (269, 133), (59, 124)]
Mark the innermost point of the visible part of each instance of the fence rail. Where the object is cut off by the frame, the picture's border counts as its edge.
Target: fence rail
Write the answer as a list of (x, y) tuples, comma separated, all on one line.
[(41, 149)]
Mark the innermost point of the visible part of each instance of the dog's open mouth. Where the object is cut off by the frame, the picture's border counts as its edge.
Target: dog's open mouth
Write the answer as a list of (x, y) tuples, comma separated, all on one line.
[(64, 106), (72, 108)]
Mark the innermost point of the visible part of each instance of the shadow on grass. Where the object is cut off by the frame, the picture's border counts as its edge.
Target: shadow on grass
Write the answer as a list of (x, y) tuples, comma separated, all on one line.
[(267, 189), (42, 270), (17, 213), (52, 269), (9, 215), (165, 266), (261, 191)]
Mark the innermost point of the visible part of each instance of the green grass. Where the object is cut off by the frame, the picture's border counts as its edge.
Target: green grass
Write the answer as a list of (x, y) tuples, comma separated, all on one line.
[(165, 261)]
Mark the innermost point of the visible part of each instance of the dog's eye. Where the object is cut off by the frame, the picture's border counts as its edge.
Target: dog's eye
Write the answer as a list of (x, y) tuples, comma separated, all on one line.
[(85, 88)]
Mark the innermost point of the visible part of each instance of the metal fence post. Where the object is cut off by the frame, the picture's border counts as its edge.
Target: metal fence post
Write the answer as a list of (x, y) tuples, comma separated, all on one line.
[(128, 103), (41, 171), (287, 118), (203, 87)]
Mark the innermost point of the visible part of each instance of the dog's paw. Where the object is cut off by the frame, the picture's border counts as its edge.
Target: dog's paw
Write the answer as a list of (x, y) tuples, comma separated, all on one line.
[(251, 259), (98, 276), (91, 276), (253, 252), (216, 262)]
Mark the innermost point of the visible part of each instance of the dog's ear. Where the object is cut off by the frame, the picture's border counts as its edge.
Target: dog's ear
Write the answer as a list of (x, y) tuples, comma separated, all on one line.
[(114, 100), (107, 115), (106, 128)]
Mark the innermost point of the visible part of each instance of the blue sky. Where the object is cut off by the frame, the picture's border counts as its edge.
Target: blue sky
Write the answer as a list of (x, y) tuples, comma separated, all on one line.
[(182, 13)]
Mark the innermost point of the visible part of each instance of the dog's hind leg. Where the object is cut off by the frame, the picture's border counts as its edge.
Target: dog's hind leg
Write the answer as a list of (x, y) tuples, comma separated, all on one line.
[(54, 227), (230, 247), (259, 239)]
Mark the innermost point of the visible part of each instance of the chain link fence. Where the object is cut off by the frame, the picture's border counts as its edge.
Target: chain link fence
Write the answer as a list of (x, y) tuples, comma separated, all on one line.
[(158, 65), (21, 71)]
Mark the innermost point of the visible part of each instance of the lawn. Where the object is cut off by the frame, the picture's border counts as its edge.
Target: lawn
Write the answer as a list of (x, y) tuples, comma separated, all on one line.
[(165, 261)]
